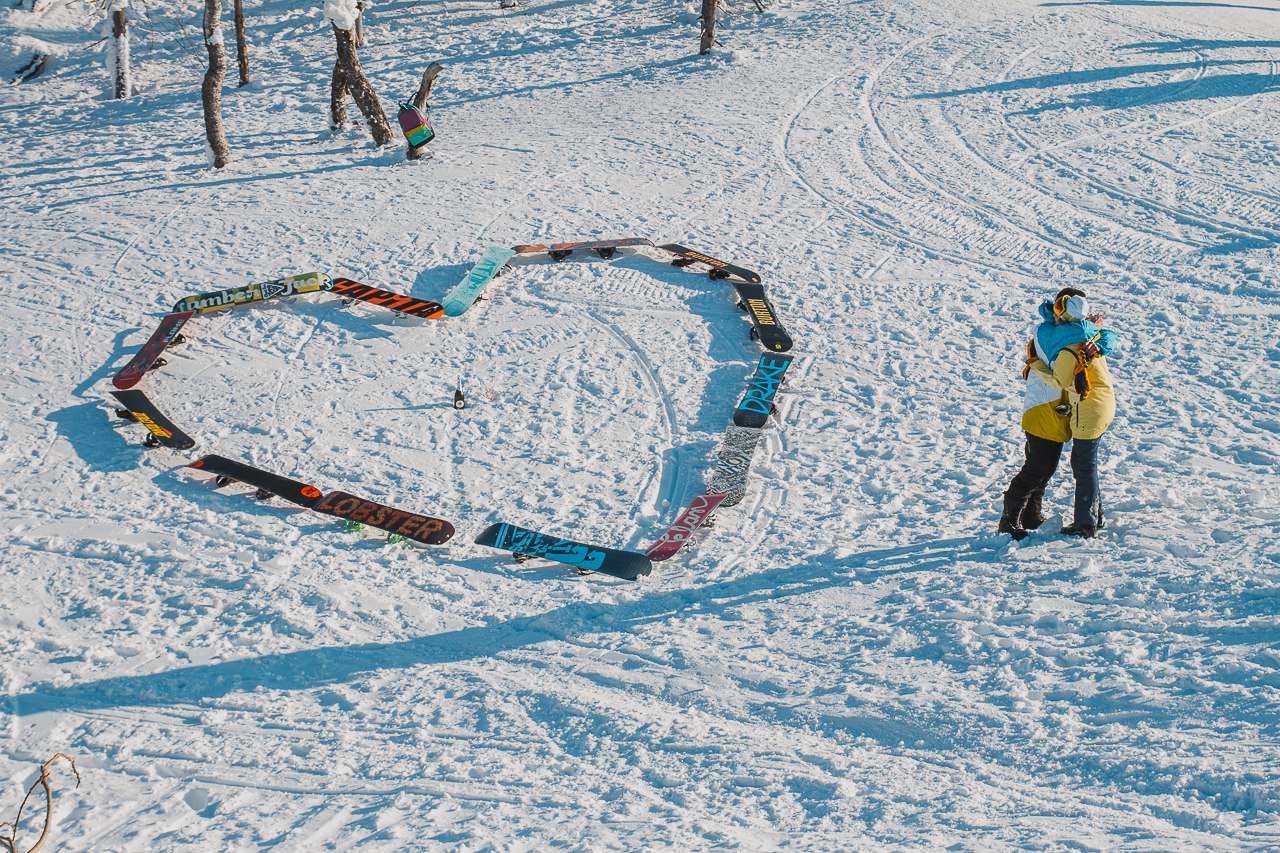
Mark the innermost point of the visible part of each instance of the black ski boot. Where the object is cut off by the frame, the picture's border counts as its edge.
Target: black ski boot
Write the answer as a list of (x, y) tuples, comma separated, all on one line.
[(1032, 517), (1011, 520), (1084, 531)]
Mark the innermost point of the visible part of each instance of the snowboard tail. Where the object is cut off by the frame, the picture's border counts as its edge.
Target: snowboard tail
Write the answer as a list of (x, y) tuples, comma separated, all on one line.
[(204, 303), (229, 470), (165, 335), (162, 431), (411, 525), (397, 302), (627, 565), (680, 533)]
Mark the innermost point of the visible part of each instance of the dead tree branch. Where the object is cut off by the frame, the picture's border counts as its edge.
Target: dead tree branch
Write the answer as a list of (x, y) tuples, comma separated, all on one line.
[(9, 843)]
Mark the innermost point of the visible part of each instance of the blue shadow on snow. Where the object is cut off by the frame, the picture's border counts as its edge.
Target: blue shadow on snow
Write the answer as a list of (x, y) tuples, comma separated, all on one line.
[(312, 668)]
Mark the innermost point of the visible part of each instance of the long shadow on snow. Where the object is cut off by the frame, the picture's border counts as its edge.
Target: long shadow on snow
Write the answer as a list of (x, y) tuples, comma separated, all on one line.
[(1184, 45), (1209, 88), (87, 428), (1118, 72), (118, 351), (311, 668), (225, 181)]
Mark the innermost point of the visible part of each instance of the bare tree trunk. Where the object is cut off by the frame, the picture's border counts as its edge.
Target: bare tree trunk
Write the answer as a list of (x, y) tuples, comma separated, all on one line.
[(361, 91), (337, 99), (242, 45), (420, 101), (118, 50), (708, 26), (211, 90)]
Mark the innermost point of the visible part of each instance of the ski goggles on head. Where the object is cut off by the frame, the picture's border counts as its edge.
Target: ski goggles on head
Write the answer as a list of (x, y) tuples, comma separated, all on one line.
[(1071, 308)]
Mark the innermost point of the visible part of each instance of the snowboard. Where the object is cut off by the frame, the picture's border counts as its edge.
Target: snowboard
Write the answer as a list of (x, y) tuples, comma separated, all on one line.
[(411, 525), (204, 303), (396, 302), (762, 387), (681, 531), (718, 268), (604, 248), (733, 463), (627, 565), (229, 471), (166, 335), (485, 270), (766, 328), (162, 431)]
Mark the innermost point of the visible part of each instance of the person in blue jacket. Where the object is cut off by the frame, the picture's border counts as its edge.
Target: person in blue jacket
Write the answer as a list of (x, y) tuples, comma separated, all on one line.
[(1068, 398)]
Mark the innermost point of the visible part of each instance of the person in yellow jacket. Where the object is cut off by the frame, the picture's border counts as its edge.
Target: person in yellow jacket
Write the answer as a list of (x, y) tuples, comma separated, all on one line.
[(1069, 398)]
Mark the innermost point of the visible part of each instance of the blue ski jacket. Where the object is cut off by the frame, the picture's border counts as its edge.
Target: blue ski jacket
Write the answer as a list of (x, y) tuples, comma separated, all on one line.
[(1052, 338)]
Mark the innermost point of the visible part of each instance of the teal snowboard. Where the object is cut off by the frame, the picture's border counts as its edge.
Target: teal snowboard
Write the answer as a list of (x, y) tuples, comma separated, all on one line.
[(462, 296)]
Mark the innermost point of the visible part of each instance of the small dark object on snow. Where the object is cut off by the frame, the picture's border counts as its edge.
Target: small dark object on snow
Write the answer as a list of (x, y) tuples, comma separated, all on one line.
[(459, 401)]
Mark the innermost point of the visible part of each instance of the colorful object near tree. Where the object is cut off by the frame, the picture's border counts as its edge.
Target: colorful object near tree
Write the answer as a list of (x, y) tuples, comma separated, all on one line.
[(415, 124)]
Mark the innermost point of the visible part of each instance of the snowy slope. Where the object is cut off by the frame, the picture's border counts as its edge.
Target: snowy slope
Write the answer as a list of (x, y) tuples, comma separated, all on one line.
[(851, 658)]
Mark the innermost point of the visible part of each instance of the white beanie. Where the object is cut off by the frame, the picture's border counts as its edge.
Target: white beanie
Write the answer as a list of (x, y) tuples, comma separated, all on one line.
[(1075, 309)]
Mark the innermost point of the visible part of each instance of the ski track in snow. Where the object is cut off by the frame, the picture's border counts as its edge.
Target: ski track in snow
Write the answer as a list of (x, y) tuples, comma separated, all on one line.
[(850, 658)]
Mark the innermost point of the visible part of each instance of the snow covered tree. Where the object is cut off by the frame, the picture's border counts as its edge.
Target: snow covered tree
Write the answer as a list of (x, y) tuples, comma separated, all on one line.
[(242, 44), (211, 90), (118, 49), (348, 75)]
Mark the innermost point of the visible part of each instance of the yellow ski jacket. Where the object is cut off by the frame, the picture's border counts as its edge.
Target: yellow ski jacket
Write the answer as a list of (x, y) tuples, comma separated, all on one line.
[(1046, 390)]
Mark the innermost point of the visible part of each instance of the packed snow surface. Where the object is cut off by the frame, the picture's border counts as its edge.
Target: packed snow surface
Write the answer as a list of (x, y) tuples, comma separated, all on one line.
[(851, 658)]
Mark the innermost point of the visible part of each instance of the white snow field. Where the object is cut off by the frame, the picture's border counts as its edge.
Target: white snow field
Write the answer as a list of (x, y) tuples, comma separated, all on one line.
[(852, 658)]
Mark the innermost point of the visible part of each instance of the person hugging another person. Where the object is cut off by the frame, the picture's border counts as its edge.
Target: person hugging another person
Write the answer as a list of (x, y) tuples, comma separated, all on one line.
[(1068, 398)]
